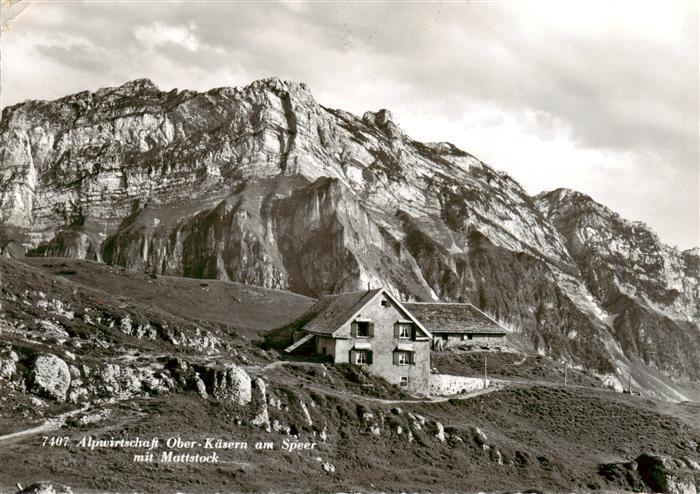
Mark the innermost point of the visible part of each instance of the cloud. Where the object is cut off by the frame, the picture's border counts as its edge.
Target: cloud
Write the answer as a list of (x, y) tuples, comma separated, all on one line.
[(157, 33), (600, 97)]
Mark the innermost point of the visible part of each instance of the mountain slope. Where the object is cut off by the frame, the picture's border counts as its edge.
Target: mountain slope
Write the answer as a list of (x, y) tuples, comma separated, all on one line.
[(650, 288), (262, 185)]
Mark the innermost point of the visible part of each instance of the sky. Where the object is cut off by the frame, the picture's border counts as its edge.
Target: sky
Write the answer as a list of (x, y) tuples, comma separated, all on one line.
[(596, 96)]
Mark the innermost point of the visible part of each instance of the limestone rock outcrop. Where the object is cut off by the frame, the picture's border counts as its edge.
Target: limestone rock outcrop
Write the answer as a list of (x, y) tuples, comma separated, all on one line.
[(51, 377), (233, 384), (46, 487)]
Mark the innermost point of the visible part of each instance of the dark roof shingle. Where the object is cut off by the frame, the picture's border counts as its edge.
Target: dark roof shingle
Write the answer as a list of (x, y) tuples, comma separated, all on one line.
[(453, 318), (332, 311)]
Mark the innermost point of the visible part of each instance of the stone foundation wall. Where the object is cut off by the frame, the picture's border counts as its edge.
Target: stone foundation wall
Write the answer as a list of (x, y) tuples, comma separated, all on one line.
[(446, 385), (464, 342)]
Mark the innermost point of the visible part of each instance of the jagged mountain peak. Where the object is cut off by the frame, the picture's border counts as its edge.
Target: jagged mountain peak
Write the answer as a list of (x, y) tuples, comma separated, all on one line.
[(139, 84), (569, 205), (277, 84), (563, 194), (380, 118), (694, 251)]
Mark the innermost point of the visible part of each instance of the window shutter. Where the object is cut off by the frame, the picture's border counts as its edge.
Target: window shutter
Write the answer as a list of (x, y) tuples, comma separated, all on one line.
[(397, 330), (413, 331), (412, 358), (353, 357), (396, 358), (353, 330), (369, 356), (371, 329)]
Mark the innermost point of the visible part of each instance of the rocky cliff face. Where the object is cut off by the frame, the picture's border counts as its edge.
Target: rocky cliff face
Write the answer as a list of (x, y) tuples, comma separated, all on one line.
[(650, 289), (263, 185)]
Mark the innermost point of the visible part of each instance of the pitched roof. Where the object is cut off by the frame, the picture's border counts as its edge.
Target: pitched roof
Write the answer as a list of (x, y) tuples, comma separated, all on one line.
[(453, 318), (332, 311)]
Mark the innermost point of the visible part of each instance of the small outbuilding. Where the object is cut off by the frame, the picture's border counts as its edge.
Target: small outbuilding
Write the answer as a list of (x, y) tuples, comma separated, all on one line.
[(458, 325)]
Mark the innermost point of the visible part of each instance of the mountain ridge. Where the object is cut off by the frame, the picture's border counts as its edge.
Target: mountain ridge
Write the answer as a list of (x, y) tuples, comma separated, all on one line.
[(262, 185)]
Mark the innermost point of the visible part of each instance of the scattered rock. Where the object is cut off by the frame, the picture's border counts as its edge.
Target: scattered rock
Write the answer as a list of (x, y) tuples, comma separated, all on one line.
[(90, 418), (200, 387), (8, 363), (273, 401), (307, 415), (417, 421), (51, 377), (262, 419), (77, 393), (56, 307), (329, 467), (278, 427), (46, 487), (440, 435), (692, 464), (496, 456), (664, 474), (480, 437), (454, 439), (374, 429), (52, 331), (234, 384)]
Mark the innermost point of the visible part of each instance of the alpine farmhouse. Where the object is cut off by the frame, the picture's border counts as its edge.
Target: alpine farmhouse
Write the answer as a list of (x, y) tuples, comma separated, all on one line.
[(392, 339), (370, 328)]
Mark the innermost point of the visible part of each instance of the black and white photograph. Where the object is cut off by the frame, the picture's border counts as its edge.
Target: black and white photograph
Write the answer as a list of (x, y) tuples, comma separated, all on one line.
[(349, 246)]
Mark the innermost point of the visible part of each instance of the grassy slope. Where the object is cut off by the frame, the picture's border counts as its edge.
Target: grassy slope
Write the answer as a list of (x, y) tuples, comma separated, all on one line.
[(550, 438), (247, 308)]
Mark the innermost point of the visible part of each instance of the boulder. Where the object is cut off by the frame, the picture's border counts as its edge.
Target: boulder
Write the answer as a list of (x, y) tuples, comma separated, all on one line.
[(200, 387), (46, 487), (233, 384), (262, 419), (440, 435), (8, 363), (664, 474), (496, 456), (50, 377), (479, 437), (307, 415)]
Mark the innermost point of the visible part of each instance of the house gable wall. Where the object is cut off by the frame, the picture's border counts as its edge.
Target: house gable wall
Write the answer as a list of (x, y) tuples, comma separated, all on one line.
[(384, 343)]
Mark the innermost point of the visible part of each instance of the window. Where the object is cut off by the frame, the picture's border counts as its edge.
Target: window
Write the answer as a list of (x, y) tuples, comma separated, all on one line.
[(469, 337), (363, 329), (361, 357), (404, 381), (403, 330), (385, 303), (404, 358)]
